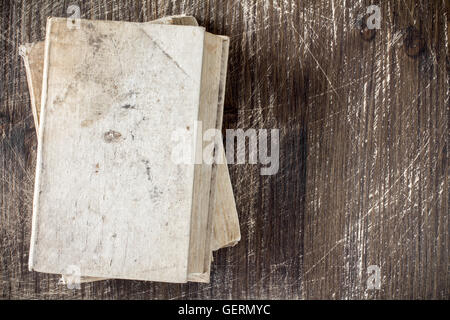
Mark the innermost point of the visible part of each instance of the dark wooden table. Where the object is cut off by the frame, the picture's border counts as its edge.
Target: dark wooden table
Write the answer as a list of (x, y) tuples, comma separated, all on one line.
[(363, 118)]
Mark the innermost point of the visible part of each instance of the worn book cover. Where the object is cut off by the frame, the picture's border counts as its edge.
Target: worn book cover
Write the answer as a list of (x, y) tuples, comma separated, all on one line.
[(108, 198)]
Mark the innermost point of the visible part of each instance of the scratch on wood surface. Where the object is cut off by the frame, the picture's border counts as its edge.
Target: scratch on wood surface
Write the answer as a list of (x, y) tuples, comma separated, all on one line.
[(363, 150)]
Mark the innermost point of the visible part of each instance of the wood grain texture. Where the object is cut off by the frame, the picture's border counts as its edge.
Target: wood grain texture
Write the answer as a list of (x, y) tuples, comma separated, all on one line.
[(363, 144)]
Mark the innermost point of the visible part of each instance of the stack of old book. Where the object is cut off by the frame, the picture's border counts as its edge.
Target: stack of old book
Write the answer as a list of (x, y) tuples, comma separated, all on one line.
[(111, 198)]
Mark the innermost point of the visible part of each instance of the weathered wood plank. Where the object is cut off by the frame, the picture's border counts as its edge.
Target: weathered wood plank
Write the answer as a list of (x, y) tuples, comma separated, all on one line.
[(377, 186), (338, 203)]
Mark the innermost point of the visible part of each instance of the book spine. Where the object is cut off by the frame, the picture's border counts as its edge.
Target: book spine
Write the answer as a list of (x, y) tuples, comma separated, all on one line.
[(37, 185)]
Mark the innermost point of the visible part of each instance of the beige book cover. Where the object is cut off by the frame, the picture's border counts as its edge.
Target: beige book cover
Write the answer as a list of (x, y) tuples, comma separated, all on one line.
[(93, 80), (226, 230)]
